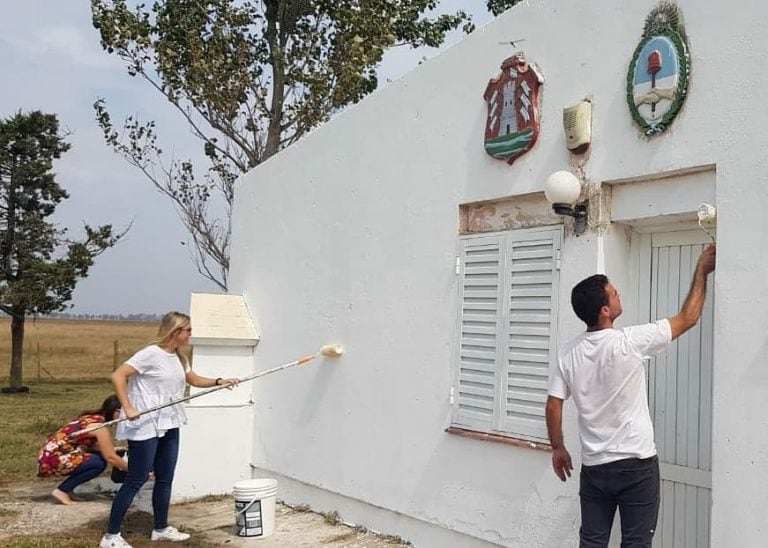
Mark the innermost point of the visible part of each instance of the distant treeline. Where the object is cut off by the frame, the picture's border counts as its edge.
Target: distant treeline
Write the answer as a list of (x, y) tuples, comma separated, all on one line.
[(106, 317)]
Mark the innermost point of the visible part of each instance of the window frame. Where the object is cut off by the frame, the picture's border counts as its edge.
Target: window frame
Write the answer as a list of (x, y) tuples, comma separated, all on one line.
[(508, 242)]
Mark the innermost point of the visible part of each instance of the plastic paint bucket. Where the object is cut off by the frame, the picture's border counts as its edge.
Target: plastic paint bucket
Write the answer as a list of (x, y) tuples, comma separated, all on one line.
[(255, 507)]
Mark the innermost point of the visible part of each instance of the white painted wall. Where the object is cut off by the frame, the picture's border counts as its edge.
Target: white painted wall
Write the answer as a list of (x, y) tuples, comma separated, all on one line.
[(350, 235)]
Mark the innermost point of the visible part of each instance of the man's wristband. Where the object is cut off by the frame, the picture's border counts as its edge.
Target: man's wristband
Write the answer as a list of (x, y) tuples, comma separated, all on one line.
[(216, 382)]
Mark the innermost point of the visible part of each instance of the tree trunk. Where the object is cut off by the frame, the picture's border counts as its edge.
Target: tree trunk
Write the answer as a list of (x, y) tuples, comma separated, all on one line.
[(17, 348), (275, 39)]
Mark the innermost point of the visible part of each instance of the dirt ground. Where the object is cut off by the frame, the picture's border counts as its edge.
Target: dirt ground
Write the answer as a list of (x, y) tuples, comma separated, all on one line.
[(30, 518)]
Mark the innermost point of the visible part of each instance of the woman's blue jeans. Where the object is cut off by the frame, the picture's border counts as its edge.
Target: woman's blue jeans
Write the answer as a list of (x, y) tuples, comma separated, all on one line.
[(91, 468), (155, 454)]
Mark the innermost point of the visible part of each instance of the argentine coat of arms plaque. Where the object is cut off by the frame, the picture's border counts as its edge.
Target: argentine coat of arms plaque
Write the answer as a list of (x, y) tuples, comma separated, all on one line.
[(657, 81)]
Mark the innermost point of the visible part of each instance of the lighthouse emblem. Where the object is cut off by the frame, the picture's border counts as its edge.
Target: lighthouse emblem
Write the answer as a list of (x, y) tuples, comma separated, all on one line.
[(657, 81)]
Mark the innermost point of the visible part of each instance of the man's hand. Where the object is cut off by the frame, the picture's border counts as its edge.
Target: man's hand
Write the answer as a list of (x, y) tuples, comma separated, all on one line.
[(707, 259), (561, 462)]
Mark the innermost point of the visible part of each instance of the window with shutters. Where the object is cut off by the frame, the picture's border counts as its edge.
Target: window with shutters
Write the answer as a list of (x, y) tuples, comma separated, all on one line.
[(507, 331)]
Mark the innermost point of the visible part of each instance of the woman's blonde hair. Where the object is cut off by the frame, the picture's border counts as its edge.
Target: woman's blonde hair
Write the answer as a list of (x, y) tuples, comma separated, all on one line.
[(170, 325)]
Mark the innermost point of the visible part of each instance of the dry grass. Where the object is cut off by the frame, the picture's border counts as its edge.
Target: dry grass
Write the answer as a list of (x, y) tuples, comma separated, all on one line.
[(73, 349)]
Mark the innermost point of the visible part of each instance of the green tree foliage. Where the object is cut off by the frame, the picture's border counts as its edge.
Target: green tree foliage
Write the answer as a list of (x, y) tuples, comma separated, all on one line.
[(39, 265), (250, 77), (498, 6)]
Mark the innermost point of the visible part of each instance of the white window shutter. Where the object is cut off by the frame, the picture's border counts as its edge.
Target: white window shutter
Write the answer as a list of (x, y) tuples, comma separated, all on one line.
[(481, 291), (530, 326)]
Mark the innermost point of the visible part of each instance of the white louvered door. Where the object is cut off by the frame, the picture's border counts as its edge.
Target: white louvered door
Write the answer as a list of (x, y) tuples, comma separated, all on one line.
[(507, 330), (680, 390)]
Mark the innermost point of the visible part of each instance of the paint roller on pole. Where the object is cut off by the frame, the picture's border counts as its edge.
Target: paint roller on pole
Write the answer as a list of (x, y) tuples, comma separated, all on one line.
[(327, 351), (707, 214)]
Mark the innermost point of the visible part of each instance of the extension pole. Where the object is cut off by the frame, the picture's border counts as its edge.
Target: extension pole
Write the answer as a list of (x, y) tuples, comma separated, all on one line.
[(329, 351)]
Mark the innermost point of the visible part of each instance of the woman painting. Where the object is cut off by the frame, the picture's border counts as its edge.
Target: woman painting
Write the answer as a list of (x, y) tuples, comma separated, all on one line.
[(82, 458), (155, 375)]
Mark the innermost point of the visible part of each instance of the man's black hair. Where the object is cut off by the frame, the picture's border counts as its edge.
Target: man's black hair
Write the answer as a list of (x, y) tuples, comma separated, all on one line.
[(588, 297)]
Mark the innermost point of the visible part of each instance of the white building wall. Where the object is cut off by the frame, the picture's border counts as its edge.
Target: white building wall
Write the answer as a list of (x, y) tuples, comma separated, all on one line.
[(350, 235)]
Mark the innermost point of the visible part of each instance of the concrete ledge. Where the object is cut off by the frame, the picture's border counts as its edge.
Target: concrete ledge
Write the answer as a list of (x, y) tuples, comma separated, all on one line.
[(213, 341)]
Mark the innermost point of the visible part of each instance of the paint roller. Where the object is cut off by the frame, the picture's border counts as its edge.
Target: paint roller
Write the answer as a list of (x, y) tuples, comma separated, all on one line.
[(327, 351), (707, 214)]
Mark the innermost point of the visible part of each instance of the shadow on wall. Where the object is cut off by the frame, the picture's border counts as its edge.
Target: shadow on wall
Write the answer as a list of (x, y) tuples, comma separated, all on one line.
[(322, 378)]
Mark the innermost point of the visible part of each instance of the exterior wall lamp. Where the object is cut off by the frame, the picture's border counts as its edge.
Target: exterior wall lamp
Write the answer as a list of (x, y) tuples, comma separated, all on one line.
[(562, 191)]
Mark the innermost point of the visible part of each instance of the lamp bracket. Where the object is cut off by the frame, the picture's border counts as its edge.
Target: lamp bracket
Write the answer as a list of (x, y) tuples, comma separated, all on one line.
[(578, 212), (563, 209)]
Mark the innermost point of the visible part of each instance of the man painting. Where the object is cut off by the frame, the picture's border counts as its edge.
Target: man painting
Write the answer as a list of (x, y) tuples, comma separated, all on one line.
[(602, 369)]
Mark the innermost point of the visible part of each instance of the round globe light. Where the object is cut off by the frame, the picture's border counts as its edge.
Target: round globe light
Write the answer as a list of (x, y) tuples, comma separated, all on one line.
[(562, 187)]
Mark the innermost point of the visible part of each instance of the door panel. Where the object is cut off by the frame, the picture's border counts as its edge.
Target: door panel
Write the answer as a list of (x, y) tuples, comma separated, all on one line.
[(680, 390)]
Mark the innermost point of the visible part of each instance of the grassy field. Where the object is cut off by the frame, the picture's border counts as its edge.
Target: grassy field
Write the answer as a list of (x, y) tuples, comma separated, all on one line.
[(28, 419), (76, 358), (72, 349)]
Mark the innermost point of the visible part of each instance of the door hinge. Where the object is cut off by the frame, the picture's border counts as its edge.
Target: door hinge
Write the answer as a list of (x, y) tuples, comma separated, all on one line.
[(458, 265), (451, 398), (557, 259)]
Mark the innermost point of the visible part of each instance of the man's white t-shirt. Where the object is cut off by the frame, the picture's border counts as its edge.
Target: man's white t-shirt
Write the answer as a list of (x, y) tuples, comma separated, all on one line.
[(603, 371), (160, 378)]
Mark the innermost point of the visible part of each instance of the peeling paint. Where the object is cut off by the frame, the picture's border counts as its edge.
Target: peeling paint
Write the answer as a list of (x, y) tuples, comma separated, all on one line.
[(509, 213)]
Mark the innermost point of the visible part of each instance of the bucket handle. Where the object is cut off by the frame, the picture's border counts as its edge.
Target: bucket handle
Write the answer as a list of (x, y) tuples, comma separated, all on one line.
[(248, 506)]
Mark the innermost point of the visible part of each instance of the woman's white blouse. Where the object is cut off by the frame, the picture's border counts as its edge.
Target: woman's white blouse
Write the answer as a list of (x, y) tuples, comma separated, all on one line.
[(160, 378)]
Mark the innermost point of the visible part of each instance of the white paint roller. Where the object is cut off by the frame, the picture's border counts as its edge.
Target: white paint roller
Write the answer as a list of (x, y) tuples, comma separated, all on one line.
[(332, 350), (707, 214)]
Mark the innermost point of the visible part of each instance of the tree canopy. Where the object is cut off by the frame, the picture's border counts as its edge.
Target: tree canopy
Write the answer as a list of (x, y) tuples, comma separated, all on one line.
[(39, 264), (250, 77)]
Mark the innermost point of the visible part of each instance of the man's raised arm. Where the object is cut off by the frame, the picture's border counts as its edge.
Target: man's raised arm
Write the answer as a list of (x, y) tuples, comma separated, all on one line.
[(694, 303)]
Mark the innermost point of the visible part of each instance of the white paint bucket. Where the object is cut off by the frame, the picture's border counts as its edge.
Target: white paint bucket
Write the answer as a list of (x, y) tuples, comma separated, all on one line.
[(255, 507)]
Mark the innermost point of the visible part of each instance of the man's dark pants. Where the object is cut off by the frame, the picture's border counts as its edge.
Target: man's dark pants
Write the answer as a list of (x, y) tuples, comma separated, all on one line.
[(630, 484)]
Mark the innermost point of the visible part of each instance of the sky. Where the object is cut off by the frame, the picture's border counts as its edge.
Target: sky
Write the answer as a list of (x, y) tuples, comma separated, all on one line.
[(52, 61)]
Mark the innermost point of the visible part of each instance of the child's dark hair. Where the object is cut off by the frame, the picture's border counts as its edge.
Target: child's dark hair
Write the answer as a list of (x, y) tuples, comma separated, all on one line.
[(107, 409), (588, 297)]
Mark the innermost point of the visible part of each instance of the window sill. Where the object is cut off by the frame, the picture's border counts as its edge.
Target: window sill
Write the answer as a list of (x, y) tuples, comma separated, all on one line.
[(496, 438)]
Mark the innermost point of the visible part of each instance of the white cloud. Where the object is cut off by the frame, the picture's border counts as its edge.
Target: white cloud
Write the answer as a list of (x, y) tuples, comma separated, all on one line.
[(60, 43), (72, 43)]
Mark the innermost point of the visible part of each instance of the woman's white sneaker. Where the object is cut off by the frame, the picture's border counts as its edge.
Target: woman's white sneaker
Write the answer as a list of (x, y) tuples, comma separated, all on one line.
[(115, 541), (169, 533)]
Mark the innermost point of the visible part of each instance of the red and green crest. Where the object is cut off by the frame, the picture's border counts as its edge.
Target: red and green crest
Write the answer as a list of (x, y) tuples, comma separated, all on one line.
[(512, 125)]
